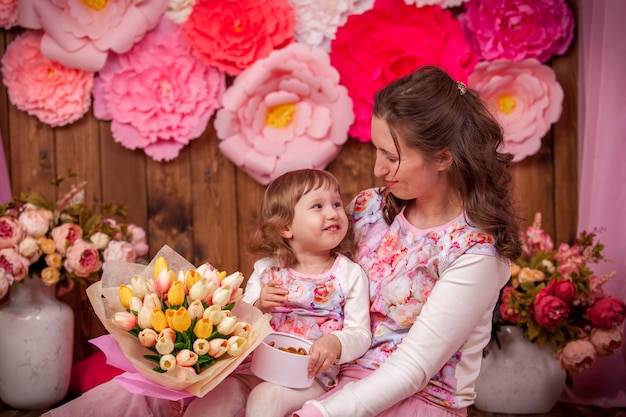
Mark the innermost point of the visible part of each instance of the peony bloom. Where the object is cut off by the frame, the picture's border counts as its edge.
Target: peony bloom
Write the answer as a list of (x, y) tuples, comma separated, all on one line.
[(317, 21), (577, 355), (55, 94), (412, 37), (562, 288), (232, 34), (607, 341), (119, 250), (8, 13), (548, 310), (525, 97), (179, 10), (11, 232), (518, 29), (80, 34), (82, 259), (36, 221), (138, 239), (607, 312), (158, 96), (287, 111), (64, 235), (14, 264)]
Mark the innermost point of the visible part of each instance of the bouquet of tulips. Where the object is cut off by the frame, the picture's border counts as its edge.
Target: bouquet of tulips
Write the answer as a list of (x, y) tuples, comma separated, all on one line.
[(181, 327)]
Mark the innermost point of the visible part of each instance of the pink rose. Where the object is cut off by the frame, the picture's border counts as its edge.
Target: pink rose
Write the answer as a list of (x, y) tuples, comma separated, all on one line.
[(55, 94), (8, 13), (13, 263), (80, 34), (232, 34), (577, 355), (158, 96), (525, 97), (518, 29), (548, 310), (562, 288), (607, 341), (285, 112), (11, 232), (82, 259), (607, 312), (65, 235), (412, 37), (36, 221), (138, 239)]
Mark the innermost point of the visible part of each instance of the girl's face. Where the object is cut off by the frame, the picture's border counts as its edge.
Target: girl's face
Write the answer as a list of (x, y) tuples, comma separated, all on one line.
[(319, 223), (408, 174)]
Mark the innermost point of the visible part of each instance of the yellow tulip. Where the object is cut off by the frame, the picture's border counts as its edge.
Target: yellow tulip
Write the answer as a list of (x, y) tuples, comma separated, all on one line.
[(176, 293), (191, 277), (125, 294), (158, 320), (159, 264), (203, 328), (181, 320)]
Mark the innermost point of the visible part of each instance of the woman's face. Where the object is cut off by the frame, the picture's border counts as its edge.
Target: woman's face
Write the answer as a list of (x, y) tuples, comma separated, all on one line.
[(408, 174)]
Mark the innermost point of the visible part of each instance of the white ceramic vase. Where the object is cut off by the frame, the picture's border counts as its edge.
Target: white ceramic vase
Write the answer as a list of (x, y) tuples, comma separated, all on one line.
[(520, 377), (36, 346)]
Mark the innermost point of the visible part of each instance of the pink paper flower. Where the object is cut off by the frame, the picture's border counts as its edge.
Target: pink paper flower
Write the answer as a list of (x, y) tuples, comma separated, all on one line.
[(411, 36), (285, 112), (525, 97), (8, 13), (80, 34), (158, 95), (445, 4), (233, 34), (55, 94), (518, 29), (317, 21)]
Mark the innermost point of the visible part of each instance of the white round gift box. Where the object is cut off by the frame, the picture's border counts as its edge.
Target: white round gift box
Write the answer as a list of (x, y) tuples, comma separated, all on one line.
[(279, 367)]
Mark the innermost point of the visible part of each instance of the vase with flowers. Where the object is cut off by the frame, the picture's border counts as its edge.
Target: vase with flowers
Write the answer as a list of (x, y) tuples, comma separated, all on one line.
[(46, 247), (555, 305)]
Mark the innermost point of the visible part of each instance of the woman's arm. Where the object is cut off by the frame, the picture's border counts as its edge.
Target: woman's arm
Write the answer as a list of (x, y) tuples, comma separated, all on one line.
[(464, 292)]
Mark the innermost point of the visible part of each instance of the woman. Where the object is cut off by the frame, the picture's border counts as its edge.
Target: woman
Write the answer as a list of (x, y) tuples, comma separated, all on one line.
[(435, 243)]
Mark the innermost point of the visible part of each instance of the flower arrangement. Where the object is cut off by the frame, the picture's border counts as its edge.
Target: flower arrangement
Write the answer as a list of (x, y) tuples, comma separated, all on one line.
[(184, 319), (62, 242), (555, 298)]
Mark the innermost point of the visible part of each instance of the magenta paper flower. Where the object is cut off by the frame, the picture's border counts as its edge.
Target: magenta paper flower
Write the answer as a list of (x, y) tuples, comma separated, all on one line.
[(53, 93), (445, 4), (232, 34), (525, 97), (8, 13), (390, 41), (518, 29), (80, 34), (158, 95), (285, 112), (317, 21)]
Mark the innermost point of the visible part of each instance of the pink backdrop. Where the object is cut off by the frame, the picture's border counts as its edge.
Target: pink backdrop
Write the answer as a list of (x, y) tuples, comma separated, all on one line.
[(602, 171)]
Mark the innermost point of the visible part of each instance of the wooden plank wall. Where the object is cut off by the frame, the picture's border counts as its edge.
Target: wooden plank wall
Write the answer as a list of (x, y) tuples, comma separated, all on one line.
[(204, 207)]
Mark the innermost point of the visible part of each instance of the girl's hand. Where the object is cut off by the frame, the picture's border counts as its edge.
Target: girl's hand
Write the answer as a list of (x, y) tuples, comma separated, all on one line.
[(272, 295), (324, 352)]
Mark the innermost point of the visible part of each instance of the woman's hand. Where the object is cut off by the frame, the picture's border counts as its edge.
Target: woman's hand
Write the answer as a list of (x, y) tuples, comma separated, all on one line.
[(324, 352), (272, 295)]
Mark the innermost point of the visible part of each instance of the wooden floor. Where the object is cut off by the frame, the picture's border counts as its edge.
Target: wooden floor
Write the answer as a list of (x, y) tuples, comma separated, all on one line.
[(560, 410)]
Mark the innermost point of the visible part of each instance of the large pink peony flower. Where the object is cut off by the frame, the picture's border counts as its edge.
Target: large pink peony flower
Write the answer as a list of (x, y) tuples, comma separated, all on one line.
[(285, 112), (80, 34), (55, 94), (317, 21), (525, 97), (83, 259), (233, 34), (390, 41), (158, 95), (518, 29), (8, 13)]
